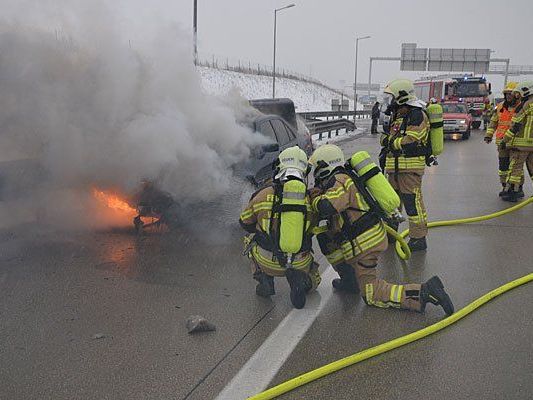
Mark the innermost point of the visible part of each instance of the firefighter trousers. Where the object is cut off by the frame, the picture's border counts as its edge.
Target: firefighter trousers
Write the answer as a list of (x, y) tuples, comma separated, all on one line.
[(375, 291), (264, 261), (516, 168), (378, 292), (504, 160), (408, 185)]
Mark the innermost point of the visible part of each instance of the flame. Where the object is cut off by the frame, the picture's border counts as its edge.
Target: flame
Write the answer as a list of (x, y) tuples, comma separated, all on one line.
[(114, 202)]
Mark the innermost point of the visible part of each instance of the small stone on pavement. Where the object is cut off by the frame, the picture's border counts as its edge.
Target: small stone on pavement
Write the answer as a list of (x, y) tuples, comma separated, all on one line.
[(197, 323), (99, 336)]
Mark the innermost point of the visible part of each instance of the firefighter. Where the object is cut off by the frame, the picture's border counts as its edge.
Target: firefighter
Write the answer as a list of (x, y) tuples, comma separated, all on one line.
[(487, 113), (405, 153), (375, 118), (279, 222), (519, 140), (356, 237), (499, 124)]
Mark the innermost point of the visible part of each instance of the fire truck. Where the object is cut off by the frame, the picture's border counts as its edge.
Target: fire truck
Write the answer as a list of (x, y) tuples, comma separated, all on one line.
[(473, 91)]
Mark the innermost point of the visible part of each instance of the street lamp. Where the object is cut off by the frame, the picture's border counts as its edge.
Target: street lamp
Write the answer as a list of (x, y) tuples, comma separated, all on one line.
[(274, 62), (195, 31), (355, 74)]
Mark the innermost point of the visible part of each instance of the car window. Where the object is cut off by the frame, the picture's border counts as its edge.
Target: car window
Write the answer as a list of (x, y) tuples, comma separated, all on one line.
[(292, 136), (281, 132), (266, 129), (454, 108)]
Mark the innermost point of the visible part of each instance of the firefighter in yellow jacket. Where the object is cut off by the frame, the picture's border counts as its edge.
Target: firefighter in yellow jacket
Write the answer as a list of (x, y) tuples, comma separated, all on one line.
[(499, 124), (356, 237), (519, 140), (279, 221), (406, 150)]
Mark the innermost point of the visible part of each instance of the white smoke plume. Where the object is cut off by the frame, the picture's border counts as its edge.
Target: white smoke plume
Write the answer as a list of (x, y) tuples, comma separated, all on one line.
[(99, 102)]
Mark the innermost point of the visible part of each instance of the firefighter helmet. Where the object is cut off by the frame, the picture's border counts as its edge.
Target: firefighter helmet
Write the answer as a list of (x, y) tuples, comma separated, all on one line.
[(510, 87), (402, 91), (525, 88), (326, 159), (291, 162)]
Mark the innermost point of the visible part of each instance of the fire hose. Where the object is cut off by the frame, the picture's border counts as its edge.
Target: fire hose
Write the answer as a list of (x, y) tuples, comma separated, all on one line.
[(401, 245), (403, 251)]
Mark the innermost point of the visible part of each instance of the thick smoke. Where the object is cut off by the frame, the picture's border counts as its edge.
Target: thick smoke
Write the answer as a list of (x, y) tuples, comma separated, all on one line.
[(98, 102)]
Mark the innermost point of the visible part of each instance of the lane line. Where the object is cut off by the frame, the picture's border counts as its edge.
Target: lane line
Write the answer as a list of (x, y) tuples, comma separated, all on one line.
[(262, 367)]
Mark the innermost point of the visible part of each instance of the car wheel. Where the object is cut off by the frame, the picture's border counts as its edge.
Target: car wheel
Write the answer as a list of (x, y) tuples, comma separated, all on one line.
[(466, 135), (476, 124)]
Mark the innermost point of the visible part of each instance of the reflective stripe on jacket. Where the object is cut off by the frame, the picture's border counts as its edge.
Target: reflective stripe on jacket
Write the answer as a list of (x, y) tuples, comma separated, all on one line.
[(416, 135), (343, 195), (258, 212), (520, 135)]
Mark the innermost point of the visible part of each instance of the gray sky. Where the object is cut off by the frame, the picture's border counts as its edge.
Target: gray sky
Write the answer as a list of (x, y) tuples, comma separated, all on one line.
[(317, 36)]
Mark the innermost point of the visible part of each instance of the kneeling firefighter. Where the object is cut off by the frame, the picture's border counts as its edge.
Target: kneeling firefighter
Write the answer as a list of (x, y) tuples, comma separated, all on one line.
[(280, 222), (414, 139), (356, 236)]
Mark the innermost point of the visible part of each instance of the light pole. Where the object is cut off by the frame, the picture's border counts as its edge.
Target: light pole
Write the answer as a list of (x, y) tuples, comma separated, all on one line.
[(355, 74), (195, 31), (274, 61)]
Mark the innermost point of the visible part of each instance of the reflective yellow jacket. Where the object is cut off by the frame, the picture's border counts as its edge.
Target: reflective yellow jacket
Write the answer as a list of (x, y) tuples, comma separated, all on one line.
[(520, 135), (404, 138)]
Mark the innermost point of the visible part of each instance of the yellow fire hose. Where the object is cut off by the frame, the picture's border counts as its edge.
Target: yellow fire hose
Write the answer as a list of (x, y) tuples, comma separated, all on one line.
[(382, 348), (403, 251), (400, 244)]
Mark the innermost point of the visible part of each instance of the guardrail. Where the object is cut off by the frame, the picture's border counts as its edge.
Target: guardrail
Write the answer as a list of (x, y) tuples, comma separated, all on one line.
[(320, 127), (335, 114), (334, 121)]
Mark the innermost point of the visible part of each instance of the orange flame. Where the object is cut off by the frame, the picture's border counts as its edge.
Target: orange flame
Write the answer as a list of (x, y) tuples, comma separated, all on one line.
[(114, 202)]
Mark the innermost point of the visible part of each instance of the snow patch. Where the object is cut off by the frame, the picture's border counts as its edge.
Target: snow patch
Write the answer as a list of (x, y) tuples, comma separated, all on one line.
[(305, 95)]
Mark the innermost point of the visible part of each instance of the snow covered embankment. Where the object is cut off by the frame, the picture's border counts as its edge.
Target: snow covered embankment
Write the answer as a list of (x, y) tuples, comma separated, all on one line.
[(306, 96)]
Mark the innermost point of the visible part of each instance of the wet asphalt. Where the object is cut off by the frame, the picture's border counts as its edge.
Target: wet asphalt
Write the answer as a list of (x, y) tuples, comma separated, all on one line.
[(101, 315)]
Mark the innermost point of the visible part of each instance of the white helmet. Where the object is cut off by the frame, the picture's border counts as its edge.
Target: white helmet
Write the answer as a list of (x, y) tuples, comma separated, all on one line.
[(291, 162), (525, 89), (401, 90)]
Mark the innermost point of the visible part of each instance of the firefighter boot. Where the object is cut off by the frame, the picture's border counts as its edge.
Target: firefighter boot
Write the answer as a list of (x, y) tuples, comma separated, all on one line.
[(418, 244), (347, 281), (265, 287), (504, 189), (520, 193), (299, 282), (510, 195), (433, 292)]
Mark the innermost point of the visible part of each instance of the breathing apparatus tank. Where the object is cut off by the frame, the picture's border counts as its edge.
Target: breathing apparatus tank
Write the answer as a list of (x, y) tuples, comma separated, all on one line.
[(376, 183), (292, 217), (436, 132)]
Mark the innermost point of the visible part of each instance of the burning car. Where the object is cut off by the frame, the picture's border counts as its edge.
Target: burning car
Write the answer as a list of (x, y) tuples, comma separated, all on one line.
[(155, 207), (148, 207)]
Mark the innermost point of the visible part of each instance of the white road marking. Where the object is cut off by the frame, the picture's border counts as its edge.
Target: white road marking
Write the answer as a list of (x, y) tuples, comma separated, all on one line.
[(262, 367)]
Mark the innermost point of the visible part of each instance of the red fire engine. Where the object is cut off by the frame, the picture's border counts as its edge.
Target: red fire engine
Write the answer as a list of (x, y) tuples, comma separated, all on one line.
[(474, 91)]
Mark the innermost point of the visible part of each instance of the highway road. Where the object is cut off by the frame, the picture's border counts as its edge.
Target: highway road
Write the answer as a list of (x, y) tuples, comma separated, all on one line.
[(101, 314)]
